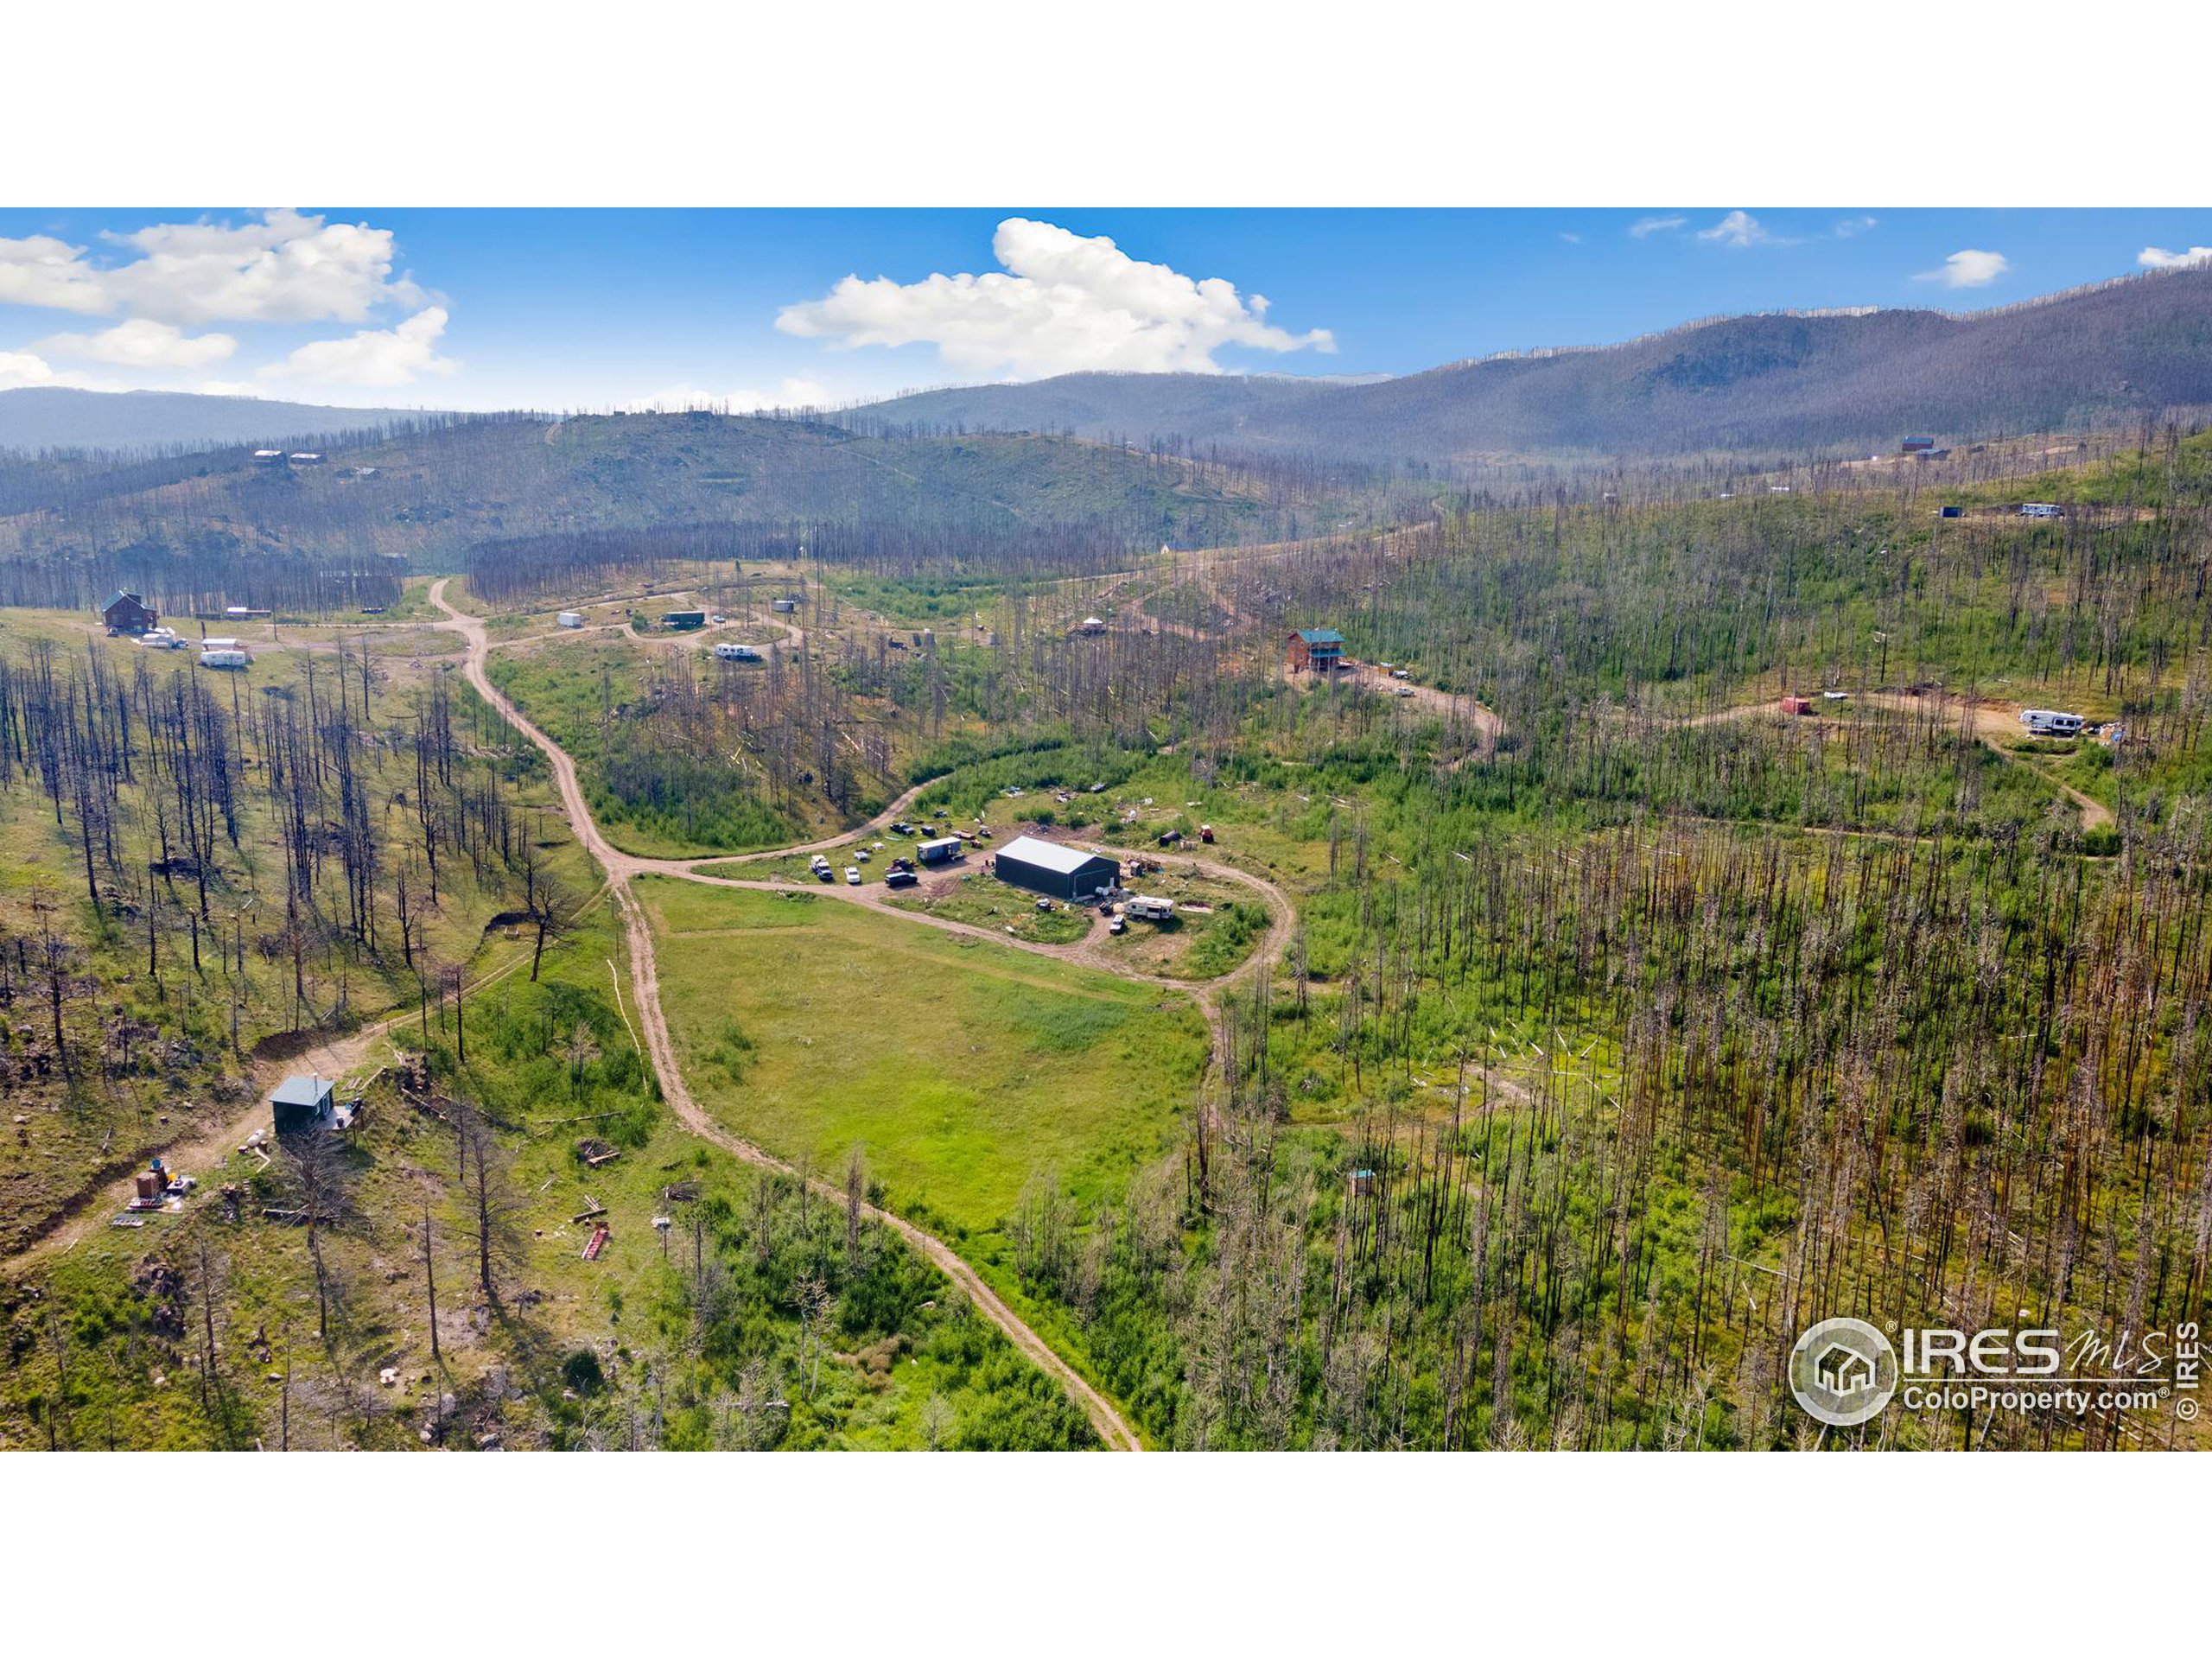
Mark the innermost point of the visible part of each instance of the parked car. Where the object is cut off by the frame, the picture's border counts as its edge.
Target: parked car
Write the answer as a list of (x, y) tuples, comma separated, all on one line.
[(900, 879), (824, 873), (852, 875), (1117, 925), (863, 855)]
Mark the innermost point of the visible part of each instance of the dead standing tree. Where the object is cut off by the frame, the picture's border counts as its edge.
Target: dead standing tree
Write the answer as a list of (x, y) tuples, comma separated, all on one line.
[(320, 1175)]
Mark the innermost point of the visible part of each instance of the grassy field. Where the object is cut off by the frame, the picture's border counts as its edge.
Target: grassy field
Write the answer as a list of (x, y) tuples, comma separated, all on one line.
[(981, 900), (961, 1071), (609, 1352)]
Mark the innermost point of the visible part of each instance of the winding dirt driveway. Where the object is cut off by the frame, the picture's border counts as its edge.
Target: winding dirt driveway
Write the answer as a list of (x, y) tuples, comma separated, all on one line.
[(620, 866), (1995, 724)]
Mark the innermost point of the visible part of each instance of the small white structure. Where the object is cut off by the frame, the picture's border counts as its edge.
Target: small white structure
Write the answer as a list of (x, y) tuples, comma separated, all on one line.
[(2050, 722), (784, 607), (1092, 624), (2041, 510), (267, 457), (225, 658), (570, 620), (730, 651), (220, 642), (306, 458)]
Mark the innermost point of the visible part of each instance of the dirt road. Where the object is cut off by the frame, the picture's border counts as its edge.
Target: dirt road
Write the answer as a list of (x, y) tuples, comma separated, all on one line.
[(1112, 1429), (208, 1148), (1997, 724)]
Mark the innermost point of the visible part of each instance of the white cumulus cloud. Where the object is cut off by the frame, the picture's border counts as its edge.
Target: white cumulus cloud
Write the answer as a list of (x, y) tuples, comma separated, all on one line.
[(1968, 268), (2167, 259), (142, 343), (373, 357), (25, 369), (1063, 302), (1738, 230), (1651, 224), (1847, 228), (280, 266), (44, 270)]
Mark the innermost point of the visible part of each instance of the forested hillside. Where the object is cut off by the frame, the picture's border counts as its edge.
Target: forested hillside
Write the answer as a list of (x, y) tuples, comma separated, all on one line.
[(43, 418), (1769, 386), (1664, 935), (423, 495)]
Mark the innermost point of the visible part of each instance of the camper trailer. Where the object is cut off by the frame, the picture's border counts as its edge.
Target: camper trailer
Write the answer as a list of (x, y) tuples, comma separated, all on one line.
[(1148, 909), (939, 850), (226, 657), (2050, 722), (729, 651)]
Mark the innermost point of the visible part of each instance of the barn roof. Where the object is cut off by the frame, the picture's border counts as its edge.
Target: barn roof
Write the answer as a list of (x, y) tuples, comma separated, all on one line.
[(307, 1090), (119, 596), (1321, 636), (1050, 854)]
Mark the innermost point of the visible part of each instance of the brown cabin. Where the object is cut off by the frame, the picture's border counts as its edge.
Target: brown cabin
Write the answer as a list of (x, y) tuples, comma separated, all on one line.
[(1321, 650), (127, 613)]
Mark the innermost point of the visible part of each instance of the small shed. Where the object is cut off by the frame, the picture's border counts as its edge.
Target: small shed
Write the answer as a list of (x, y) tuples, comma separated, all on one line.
[(785, 606), (303, 1102), (127, 613), (1091, 625), (684, 620), (1057, 872), (1320, 650), (570, 620), (1918, 445), (1794, 705)]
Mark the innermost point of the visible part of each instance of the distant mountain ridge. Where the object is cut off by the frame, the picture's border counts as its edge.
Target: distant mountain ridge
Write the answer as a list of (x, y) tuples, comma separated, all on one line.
[(34, 418), (1830, 381)]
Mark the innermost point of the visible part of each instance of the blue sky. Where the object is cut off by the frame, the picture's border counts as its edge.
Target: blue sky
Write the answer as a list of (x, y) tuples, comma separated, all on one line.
[(572, 308)]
